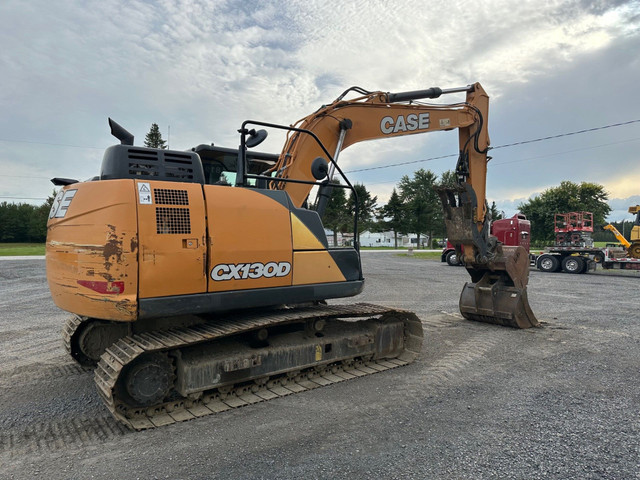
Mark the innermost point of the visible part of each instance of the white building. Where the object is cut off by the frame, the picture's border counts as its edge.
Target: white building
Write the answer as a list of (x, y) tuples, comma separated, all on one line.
[(378, 239)]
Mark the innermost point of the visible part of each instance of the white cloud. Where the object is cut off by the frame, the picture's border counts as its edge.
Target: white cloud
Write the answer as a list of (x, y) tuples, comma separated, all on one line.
[(205, 66)]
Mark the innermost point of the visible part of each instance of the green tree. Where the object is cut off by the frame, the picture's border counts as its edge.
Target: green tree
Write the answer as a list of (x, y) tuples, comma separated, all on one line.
[(494, 212), (335, 216), (366, 207), (393, 216), (22, 222), (153, 139), (422, 204), (448, 179), (567, 197), (38, 221)]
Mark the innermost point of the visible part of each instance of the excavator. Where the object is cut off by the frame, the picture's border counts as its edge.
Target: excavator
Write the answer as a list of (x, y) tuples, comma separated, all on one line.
[(632, 247), (198, 280)]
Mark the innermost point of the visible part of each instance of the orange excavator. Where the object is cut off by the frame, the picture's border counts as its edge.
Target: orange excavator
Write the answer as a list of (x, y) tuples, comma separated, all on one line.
[(192, 295)]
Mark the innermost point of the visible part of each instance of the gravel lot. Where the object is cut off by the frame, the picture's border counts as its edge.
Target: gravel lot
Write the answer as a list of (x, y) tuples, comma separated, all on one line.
[(481, 402)]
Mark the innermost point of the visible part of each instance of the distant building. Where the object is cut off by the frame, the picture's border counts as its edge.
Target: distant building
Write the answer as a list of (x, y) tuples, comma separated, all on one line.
[(378, 239)]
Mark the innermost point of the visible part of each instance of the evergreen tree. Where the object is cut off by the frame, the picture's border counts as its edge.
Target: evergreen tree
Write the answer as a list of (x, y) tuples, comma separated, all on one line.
[(366, 207), (153, 139), (494, 212), (423, 207), (335, 216), (448, 179), (393, 216)]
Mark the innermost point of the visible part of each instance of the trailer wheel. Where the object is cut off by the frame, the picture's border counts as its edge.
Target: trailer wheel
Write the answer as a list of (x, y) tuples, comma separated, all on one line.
[(599, 257), (573, 264), (548, 263), (452, 259)]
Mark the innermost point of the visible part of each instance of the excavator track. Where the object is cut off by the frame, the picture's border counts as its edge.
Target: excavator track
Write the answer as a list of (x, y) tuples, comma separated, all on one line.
[(70, 327), (166, 346)]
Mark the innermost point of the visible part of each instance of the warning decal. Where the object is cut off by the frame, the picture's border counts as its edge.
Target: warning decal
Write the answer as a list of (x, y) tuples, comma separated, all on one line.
[(144, 193)]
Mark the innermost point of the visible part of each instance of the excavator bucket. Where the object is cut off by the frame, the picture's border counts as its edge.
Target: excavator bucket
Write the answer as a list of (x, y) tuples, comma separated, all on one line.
[(498, 290)]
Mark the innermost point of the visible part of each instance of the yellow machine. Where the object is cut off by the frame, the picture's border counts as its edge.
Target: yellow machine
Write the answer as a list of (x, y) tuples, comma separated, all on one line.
[(194, 296), (633, 246), (623, 241)]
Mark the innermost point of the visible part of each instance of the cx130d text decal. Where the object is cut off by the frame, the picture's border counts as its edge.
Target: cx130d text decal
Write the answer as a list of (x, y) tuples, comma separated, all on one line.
[(242, 271)]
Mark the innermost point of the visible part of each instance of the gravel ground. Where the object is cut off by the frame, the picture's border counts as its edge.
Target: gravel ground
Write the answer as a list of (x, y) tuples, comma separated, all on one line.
[(482, 401)]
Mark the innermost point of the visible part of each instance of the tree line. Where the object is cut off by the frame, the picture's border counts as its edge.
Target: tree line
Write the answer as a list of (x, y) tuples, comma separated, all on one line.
[(23, 222), (413, 208)]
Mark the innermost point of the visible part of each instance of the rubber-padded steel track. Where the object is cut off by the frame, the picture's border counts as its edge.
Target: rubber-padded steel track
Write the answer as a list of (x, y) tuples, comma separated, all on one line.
[(127, 349), (69, 329)]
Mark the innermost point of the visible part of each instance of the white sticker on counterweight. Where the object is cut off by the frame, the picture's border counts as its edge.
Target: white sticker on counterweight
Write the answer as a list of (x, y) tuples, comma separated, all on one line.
[(144, 193)]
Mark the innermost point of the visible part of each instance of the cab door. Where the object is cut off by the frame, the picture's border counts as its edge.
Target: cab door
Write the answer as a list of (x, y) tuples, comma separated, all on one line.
[(172, 237), (250, 238)]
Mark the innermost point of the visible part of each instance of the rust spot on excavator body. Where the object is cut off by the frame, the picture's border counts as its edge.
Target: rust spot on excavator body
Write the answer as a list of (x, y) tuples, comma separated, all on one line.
[(112, 251)]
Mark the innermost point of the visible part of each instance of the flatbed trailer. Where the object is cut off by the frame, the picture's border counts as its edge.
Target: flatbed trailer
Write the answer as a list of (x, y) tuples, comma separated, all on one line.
[(582, 259)]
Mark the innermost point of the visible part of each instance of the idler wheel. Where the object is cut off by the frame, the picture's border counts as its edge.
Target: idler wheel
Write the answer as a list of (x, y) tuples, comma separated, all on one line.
[(148, 381), (94, 337)]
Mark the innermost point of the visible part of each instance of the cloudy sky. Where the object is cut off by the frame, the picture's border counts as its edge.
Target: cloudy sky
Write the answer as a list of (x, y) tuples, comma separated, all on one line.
[(198, 68)]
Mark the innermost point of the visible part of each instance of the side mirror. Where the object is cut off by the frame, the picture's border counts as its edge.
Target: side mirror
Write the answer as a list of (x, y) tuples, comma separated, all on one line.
[(255, 138), (319, 168)]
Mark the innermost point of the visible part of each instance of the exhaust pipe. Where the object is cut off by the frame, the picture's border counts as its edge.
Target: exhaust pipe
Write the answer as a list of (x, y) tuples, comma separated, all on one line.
[(120, 133)]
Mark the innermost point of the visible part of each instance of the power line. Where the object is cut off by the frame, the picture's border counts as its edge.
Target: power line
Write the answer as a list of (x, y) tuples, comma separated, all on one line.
[(566, 151), (401, 163), (523, 142), (567, 134), (536, 157)]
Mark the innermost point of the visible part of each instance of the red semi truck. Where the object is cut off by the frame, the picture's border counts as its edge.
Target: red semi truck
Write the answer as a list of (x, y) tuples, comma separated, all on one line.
[(512, 231)]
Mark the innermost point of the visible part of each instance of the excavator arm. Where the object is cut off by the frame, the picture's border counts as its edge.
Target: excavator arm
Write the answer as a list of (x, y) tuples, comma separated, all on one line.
[(499, 274)]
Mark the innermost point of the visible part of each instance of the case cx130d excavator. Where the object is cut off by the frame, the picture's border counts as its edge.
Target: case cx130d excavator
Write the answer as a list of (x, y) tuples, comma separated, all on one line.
[(192, 295)]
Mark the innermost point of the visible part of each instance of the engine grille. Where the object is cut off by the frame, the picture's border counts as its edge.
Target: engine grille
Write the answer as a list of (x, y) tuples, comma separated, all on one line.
[(168, 196), (123, 161), (172, 220), (157, 163)]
